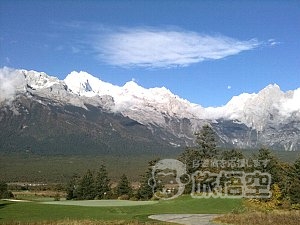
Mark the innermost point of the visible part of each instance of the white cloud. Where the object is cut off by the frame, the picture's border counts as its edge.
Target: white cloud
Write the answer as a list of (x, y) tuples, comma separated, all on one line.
[(273, 42), (10, 82), (228, 87), (291, 103), (145, 47)]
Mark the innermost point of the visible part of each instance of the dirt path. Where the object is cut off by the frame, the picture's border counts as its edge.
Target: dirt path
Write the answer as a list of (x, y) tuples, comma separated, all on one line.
[(186, 219)]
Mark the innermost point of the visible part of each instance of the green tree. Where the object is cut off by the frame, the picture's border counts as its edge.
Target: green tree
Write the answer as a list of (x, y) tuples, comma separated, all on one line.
[(294, 184), (4, 192), (123, 188), (206, 141), (279, 171), (267, 162), (71, 187), (234, 156), (190, 157), (86, 187), (102, 186), (145, 191), (205, 149)]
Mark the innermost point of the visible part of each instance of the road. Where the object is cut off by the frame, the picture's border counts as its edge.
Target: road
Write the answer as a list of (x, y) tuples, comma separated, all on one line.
[(186, 219)]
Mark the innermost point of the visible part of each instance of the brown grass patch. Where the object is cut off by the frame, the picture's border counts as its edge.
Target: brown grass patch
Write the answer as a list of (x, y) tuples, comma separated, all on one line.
[(262, 218)]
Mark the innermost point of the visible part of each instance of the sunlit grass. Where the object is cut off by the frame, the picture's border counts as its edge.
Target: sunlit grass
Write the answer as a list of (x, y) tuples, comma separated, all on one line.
[(37, 212), (101, 203), (261, 218), (88, 222)]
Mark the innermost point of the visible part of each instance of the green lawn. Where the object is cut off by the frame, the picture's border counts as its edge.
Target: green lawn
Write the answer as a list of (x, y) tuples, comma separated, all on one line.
[(100, 203), (35, 211)]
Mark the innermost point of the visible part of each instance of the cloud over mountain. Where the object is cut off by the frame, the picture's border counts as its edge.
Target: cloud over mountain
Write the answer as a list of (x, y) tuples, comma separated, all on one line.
[(270, 117), (164, 48), (10, 82)]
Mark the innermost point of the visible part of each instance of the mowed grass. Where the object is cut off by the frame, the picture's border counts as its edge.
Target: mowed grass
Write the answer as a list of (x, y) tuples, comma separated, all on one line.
[(101, 203), (35, 211), (89, 222)]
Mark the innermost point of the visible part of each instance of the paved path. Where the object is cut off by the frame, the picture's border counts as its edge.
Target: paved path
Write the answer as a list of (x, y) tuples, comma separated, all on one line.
[(186, 219)]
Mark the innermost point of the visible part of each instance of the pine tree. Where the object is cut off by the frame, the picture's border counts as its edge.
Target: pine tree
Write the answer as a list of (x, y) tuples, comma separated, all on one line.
[(193, 157), (145, 191), (123, 188), (71, 187), (189, 157), (102, 186), (234, 156), (294, 188), (271, 165), (86, 187), (207, 144)]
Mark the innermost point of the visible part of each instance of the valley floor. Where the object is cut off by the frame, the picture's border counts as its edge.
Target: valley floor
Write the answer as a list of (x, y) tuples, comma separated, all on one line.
[(35, 212)]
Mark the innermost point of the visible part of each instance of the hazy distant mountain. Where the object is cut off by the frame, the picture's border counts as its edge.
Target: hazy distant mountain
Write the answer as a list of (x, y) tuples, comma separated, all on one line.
[(83, 114)]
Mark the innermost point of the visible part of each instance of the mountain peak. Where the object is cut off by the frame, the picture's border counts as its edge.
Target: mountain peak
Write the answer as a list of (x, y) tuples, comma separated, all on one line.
[(252, 109), (132, 86), (156, 107)]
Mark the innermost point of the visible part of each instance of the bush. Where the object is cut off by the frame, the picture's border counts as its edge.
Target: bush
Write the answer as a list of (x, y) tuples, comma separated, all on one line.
[(4, 192), (296, 206), (123, 197), (57, 197)]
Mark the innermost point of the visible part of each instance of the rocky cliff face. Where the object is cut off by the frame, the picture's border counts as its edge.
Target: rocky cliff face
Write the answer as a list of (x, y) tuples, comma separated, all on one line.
[(34, 105)]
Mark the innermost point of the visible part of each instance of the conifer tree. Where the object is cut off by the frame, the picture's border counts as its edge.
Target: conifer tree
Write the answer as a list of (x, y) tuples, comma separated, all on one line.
[(193, 157), (207, 144), (294, 188), (71, 187), (102, 186), (270, 164), (206, 149), (123, 188), (145, 191), (86, 187)]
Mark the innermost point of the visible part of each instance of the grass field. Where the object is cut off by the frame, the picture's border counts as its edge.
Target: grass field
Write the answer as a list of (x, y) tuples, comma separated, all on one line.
[(101, 203), (58, 169), (36, 211)]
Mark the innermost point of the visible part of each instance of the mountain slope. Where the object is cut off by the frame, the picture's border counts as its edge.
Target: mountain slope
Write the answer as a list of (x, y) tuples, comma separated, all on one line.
[(100, 114), (45, 127)]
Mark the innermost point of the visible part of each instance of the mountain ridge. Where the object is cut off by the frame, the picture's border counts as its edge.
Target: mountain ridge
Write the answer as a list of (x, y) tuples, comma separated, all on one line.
[(257, 116)]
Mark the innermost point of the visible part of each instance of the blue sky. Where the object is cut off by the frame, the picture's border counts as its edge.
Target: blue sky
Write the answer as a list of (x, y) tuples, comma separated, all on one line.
[(203, 51)]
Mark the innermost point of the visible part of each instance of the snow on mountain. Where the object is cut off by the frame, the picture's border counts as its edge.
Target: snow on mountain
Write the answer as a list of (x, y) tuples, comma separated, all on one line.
[(270, 117), (39, 80), (253, 109), (134, 101), (256, 110), (153, 105)]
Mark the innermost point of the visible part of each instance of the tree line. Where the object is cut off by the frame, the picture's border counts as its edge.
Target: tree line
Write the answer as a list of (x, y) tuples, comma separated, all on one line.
[(285, 177), (285, 180), (97, 185)]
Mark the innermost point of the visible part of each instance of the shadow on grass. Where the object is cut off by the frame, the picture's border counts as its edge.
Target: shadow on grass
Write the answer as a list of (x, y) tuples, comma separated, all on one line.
[(2, 205)]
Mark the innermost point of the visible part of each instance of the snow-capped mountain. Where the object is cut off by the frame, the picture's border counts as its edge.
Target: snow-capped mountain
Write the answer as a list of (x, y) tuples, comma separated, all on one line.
[(153, 102), (270, 117)]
